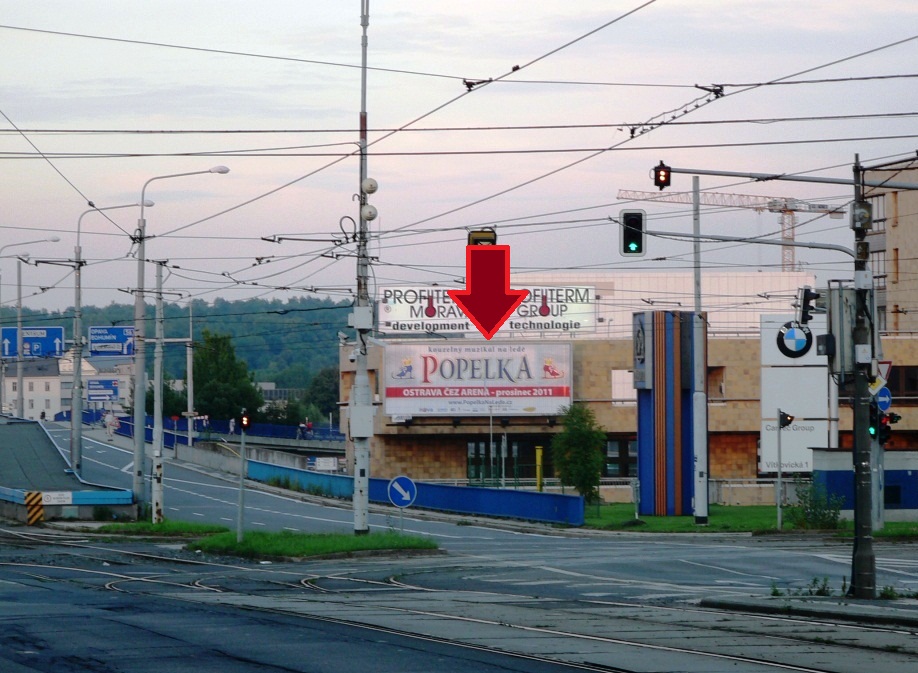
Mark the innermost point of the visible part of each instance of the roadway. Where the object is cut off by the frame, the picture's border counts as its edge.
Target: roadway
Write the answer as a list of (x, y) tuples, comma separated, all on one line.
[(503, 596)]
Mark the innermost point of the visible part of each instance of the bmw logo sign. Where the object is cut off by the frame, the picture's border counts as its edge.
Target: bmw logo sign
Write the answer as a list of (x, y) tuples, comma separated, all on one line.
[(794, 340)]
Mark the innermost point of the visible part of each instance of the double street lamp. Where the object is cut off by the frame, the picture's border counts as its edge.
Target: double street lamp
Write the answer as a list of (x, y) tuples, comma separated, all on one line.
[(140, 360), (76, 405)]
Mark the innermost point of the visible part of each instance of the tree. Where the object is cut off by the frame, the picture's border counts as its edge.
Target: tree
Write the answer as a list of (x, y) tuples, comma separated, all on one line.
[(175, 403), (223, 386), (323, 391), (577, 451)]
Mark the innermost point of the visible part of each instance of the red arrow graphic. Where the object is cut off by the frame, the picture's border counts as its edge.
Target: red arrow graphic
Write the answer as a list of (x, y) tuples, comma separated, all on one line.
[(488, 300)]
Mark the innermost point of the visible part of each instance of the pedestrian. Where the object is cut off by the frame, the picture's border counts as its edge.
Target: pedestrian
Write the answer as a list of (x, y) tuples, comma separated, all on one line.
[(232, 426), (308, 429), (111, 424), (301, 430)]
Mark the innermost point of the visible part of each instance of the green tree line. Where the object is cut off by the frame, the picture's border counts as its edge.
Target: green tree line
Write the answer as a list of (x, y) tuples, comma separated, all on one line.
[(291, 343)]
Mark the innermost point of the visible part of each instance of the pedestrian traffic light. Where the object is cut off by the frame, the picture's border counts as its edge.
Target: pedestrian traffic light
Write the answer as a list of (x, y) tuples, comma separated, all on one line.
[(884, 432), (244, 421), (662, 176), (784, 418), (806, 298), (886, 422), (632, 232)]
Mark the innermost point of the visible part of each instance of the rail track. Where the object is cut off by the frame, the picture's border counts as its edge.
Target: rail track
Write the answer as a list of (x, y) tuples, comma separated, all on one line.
[(390, 597)]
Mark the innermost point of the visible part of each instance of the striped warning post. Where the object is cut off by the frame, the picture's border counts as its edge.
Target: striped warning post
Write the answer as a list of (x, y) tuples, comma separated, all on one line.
[(35, 510)]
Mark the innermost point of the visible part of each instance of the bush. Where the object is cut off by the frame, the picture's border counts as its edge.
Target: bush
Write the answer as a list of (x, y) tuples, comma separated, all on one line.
[(815, 508)]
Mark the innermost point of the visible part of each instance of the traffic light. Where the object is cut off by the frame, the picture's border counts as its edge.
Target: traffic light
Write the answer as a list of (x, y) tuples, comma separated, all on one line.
[(884, 432), (784, 418), (244, 422), (662, 177), (886, 423), (862, 215), (874, 427), (486, 236), (805, 304), (632, 232)]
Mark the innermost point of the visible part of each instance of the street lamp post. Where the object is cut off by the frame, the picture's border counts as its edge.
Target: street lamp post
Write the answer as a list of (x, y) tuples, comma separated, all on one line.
[(52, 239), (140, 360), (76, 399)]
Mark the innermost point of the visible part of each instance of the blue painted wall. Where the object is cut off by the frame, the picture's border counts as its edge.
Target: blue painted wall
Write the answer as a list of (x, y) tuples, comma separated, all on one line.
[(526, 505)]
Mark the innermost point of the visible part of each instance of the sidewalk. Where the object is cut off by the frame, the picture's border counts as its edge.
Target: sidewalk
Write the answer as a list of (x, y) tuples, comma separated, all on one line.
[(898, 612)]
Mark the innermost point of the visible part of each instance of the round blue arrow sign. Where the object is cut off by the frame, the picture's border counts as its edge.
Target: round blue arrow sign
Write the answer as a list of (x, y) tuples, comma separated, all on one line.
[(402, 491), (884, 399)]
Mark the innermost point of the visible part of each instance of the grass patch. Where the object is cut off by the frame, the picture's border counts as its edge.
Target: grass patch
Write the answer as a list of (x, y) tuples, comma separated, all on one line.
[(721, 518), (257, 544), (167, 528)]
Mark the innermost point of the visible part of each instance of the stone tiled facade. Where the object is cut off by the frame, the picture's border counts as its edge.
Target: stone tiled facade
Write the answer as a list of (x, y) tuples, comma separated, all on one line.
[(435, 448)]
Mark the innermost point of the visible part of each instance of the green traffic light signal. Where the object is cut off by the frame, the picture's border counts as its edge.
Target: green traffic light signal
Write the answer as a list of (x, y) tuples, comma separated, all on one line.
[(632, 232), (874, 426)]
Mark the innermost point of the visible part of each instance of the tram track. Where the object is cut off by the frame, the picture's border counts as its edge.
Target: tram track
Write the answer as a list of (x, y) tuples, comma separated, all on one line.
[(390, 604)]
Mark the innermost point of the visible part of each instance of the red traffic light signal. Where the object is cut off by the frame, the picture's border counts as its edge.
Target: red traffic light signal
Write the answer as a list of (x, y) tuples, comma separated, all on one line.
[(662, 176), (244, 422)]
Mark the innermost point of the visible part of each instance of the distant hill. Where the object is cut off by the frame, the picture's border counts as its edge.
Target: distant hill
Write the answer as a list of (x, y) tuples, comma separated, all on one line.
[(285, 342)]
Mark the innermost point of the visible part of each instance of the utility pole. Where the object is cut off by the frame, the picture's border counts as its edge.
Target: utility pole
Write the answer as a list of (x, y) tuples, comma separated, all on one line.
[(360, 406), (157, 483), (863, 560)]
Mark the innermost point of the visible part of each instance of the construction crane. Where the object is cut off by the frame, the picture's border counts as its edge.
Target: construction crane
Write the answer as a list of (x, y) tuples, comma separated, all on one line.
[(787, 208)]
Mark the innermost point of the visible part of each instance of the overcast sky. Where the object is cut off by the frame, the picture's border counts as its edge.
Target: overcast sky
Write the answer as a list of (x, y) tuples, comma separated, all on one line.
[(113, 93)]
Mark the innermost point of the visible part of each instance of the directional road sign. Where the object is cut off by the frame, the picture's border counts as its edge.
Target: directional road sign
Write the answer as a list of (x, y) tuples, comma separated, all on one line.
[(37, 342), (402, 491), (884, 399), (113, 341), (101, 390)]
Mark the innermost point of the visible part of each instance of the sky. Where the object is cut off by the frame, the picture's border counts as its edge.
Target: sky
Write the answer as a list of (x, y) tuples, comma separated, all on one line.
[(517, 116)]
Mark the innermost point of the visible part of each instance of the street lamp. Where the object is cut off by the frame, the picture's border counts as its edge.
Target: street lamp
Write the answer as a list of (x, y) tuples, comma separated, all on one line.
[(76, 399), (52, 239), (140, 359)]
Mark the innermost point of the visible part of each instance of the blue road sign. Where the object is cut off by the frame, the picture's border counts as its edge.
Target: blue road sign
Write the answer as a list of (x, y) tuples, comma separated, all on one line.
[(884, 399), (113, 341), (101, 390), (37, 342), (402, 491)]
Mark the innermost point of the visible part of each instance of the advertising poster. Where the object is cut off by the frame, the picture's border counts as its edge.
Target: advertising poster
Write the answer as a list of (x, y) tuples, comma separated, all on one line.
[(470, 378)]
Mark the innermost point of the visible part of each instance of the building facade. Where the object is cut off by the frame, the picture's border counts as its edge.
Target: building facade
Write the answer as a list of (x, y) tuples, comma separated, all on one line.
[(492, 446)]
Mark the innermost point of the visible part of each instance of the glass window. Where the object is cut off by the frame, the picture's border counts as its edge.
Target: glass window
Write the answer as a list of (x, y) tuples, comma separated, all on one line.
[(47, 386), (31, 386)]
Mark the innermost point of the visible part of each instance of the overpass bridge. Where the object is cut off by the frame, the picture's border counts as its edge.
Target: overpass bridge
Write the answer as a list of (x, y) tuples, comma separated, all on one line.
[(37, 484)]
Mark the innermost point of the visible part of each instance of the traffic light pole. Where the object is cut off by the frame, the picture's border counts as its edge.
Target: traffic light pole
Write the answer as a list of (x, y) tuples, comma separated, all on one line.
[(863, 560), (240, 514), (863, 564), (700, 375)]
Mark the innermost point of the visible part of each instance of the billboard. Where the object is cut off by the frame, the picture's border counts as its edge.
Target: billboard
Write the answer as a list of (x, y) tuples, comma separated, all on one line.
[(418, 310), (464, 378), (796, 380)]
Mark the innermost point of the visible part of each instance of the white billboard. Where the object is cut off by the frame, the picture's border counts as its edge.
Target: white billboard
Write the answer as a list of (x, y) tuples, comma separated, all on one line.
[(794, 379), (418, 310), (464, 378)]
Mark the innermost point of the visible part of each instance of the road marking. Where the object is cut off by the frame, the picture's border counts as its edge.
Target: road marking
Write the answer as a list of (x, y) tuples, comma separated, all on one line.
[(727, 570)]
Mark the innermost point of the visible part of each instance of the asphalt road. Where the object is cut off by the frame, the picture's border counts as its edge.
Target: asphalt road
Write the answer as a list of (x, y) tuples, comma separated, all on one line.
[(498, 597)]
